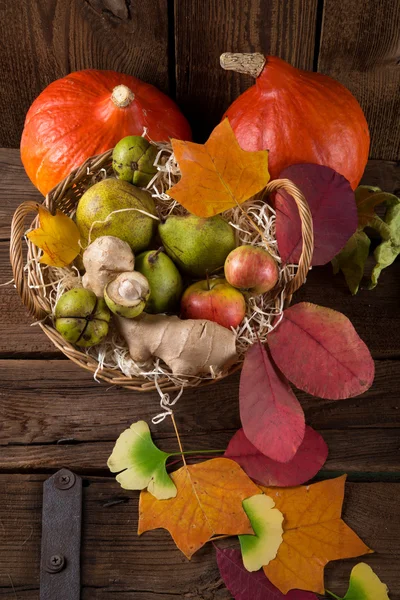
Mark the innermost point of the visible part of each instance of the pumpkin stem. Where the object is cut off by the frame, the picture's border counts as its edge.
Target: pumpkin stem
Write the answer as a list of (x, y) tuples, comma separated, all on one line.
[(122, 96), (251, 64)]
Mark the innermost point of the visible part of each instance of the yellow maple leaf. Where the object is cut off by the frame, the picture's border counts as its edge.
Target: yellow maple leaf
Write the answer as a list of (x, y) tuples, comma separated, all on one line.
[(217, 175), (57, 236), (313, 535), (209, 501)]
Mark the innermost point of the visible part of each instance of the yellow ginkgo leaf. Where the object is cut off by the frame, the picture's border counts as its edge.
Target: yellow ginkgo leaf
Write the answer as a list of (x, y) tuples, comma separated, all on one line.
[(57, 236)]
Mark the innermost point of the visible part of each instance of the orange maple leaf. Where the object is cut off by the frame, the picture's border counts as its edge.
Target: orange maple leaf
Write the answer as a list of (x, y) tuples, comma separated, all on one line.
[(217, 175), (209, 501), (57, 236), (313, 534)]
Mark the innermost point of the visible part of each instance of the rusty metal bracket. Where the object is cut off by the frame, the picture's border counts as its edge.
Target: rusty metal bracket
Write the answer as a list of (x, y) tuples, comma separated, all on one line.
[(61, 537)]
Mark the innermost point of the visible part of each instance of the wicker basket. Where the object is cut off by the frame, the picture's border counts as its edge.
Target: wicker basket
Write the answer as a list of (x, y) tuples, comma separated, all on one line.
[(65, 197)]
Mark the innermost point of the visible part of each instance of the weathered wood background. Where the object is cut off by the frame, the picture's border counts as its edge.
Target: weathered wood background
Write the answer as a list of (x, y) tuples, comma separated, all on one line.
[(176, 44), (53, 414)]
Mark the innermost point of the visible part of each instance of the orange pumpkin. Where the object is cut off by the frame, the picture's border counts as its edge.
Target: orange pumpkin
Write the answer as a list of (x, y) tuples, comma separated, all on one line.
[(299, 116), (88, 112)]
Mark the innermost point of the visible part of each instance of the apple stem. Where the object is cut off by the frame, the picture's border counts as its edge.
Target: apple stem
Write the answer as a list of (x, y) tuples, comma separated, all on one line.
[(208, 281)]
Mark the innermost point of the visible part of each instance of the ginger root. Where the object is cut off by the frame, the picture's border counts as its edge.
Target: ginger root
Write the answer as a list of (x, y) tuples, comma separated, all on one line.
[(104, 260), (188, 347)]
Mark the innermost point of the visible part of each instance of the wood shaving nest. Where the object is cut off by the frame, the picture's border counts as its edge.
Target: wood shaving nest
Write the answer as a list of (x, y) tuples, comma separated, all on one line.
[(263, 311)]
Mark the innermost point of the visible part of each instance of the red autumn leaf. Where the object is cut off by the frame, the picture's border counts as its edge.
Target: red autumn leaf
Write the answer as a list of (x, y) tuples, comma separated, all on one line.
[(308, 460), (320, 352), (271, 415), (244, 585), (333, 208)]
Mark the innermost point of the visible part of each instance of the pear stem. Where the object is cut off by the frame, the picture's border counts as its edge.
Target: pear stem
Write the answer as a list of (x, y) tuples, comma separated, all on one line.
[(153, 257)]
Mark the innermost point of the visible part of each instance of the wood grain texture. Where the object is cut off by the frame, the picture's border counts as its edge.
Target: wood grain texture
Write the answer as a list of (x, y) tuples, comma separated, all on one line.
[(204, 29), (47, 40), (115, 560), (360, 47), (42, 402), (365, 454)]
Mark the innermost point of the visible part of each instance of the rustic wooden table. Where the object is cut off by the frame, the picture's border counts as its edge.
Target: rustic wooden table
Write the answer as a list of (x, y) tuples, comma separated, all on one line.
[(53, 414)]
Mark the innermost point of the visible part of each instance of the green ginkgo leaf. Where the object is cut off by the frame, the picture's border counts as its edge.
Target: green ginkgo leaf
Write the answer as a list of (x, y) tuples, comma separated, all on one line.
[(365, 585), (140, 463), (259, 549)]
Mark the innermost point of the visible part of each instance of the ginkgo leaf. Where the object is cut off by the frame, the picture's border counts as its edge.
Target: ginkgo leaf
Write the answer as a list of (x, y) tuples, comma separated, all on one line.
[(141, 462), (271, 415), (209, 501), (305, 464), (259, 549), (217, 175), (320, 352), (313, 535), (57, 236), (365, 585), (244, 585)]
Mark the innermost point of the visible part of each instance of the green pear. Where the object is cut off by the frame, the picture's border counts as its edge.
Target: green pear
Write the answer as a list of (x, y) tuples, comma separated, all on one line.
[(164, 279), (82, 318), (131, 226), (197, 245), (133, 160)]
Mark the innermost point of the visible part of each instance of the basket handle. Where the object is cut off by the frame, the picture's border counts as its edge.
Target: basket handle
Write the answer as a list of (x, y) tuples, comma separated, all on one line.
[(18, 228), (307, 230)]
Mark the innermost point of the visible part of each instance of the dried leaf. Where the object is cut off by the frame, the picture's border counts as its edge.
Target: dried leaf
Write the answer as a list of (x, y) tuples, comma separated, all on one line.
[(319, 351), (351, 260), (271, 415), (218, 175), (314, 534), (209, 501), (141, 462), (308, 460), (365, 585), (57, 236), (333, 208), (251, 586), (259, 549), (387, 252)]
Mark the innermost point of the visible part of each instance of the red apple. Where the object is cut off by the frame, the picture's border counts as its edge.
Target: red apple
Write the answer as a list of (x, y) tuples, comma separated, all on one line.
[(251, 268), (214, 300)]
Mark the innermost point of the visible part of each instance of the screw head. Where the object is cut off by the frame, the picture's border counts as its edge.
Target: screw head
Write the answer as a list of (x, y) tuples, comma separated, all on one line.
[(64, 480), (55, 563)]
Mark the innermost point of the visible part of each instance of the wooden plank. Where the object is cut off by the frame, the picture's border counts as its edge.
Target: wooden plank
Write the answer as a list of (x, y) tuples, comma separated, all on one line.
[(204, 29), (364, 454), (359, 47), (45, 40), (42, 402), (45, 402), (116, 560)]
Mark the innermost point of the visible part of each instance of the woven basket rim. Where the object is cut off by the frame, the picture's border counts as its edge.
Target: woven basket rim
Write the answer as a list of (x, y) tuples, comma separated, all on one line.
[(39, 307)]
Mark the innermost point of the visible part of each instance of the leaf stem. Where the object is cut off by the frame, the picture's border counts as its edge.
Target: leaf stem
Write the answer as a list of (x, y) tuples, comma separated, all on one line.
[(187, 452), (333, 595), (179, 440)]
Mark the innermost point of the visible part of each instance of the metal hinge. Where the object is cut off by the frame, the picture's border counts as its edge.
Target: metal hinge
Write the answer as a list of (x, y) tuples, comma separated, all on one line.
[(61, 537)]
